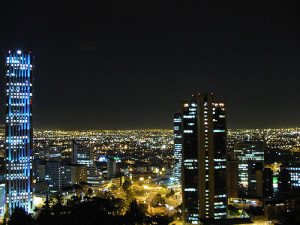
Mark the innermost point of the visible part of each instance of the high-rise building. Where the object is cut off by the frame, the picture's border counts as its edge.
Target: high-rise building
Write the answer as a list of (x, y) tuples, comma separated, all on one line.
[(85, 156), (18, 131), (111, 167), (203, 131), (177, 147), (232, 179), (250, 159), (255, 176), (289, 177), (268, 183)]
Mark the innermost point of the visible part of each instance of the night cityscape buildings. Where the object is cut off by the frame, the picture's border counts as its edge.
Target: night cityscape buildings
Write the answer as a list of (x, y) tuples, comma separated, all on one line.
[(250, 160), (203, 129), (56, 175), (198, 163), (109, 65), (289, 177), (149, 153), (194, 156), (85, 156), (19, 131)]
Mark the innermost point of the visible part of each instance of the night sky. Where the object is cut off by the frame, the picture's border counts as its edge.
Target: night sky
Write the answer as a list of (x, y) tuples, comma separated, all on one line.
[(128, 64)]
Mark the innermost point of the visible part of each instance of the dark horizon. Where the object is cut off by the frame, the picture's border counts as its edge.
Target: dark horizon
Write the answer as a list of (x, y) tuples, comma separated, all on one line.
[(128, 65)]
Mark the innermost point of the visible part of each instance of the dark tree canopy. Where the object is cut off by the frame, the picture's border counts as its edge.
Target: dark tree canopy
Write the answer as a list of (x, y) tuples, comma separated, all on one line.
[(19, 216), (92, 211)]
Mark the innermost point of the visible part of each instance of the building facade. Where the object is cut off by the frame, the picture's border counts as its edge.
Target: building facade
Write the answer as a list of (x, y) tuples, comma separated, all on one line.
[(111, 167), (232, 179), (18, 131), (250, 158), (59, 175), (85, 156), (289, 177), (177, 148), (204, 133)]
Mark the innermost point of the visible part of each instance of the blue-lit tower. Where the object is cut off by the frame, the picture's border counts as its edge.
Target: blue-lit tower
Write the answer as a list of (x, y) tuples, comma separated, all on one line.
[(18, 131)]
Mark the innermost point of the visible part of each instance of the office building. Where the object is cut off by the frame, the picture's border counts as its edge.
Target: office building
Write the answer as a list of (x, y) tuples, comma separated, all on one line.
[(250, 158), (255, 184), (177, 148), (268, 183), (111, 168), (203, 130), (18, 131), (85, 156), (232, 179), (58, 174), (289, 177)]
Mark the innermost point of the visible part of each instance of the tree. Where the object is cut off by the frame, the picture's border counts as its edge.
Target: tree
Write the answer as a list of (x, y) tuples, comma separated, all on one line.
[(104, 194), (113, 187), (136, 212), (44, 214), (179, 207), (73, 201), (233, 212), (158, 201), (19, 216), (161, 220), (129, 194), (67, 189), (127, 184), (4, 221), (78, 189), (139, 191), (84, 185), (108, 209), (118, 204), (171, 193), (90, 191)]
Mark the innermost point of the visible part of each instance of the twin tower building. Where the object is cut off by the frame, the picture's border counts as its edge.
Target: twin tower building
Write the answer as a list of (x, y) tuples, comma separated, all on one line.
[(200, 158)]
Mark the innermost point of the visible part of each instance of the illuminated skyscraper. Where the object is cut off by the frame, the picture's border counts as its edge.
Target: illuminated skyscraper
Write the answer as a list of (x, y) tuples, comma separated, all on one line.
[(18, 131), (203, 130), (177, 147)]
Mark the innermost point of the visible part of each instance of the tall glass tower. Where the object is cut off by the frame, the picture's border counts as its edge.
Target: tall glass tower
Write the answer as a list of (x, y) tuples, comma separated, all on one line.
[(177, 147), (203, 143), (18, 131)]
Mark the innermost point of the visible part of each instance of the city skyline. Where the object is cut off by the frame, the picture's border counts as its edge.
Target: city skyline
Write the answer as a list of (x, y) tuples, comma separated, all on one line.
[(111, 65)]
